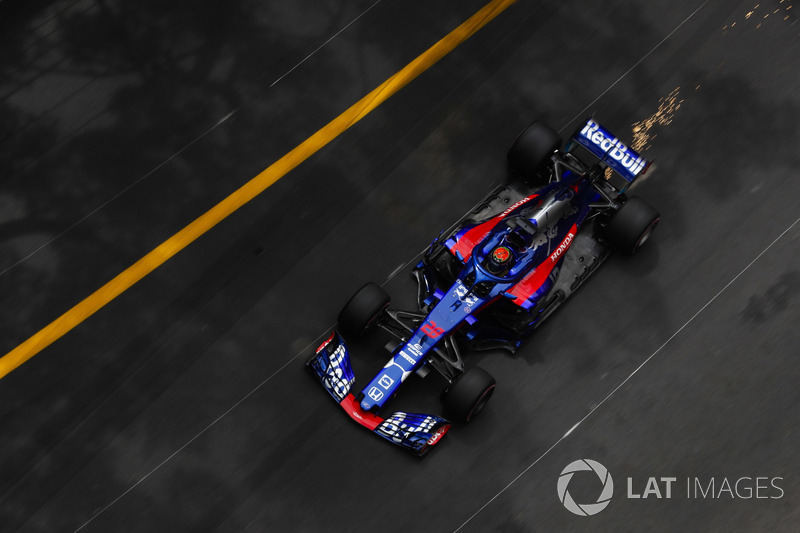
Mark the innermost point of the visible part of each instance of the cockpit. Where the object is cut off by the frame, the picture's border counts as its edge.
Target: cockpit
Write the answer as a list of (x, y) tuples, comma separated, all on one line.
[(507, 249), (521, 234)]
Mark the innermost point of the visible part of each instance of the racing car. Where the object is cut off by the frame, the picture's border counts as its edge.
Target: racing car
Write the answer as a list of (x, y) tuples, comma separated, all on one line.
[(491, 279)]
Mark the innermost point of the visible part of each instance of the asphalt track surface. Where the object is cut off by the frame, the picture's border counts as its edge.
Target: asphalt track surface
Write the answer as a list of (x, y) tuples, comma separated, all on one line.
[(183, 405)]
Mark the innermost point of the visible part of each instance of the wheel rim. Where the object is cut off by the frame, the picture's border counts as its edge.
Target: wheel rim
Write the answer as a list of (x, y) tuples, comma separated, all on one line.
[(646, 235), (481, 403)]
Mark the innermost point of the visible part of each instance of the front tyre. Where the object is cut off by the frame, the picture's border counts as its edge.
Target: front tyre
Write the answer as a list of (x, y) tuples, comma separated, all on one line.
[(360, 314), (469, 394), (631, 225)]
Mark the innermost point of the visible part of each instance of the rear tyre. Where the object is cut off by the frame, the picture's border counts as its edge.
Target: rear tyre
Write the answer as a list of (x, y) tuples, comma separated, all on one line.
[(360, 314), (469, 394), (532, 149), (631, 225)]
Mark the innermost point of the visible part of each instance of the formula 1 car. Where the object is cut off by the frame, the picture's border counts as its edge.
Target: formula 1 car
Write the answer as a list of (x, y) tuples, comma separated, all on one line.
[(493, 278)]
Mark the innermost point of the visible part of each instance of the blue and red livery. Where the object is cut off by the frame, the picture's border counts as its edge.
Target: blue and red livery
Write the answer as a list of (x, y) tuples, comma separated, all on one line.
[(493, 278)]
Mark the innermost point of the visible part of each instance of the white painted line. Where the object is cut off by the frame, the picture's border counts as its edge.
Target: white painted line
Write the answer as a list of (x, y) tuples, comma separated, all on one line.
[(624, 381), (176, 154), (205, 430), (570, 430), (585, 109), (323, 44), (396, 271), (120, 193)]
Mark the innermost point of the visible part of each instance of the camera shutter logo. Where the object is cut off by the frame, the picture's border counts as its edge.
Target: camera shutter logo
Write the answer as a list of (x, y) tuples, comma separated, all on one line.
[(585, 509)]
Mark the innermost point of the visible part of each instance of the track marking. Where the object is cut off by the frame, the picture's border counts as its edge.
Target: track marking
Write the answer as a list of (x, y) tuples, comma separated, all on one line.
[(571, 430), (176, 154), (166, 250), (624, 381), (393, 274), (317, 49), (202, 432), (457, 36), (205, 430), (120, 193), (670, 34)]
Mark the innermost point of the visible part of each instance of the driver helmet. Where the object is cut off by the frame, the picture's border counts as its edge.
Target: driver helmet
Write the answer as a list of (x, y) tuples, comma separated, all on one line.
[(500, 259)]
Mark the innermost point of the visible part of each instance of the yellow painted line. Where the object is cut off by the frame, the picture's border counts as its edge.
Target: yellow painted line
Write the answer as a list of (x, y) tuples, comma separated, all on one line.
[(144, 266)]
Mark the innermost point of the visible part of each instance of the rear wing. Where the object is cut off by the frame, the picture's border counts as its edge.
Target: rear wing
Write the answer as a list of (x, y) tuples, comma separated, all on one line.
[(611, 151)]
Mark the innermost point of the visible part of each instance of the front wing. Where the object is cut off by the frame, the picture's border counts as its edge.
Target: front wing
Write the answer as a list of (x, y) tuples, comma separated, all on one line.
[(414, 432)]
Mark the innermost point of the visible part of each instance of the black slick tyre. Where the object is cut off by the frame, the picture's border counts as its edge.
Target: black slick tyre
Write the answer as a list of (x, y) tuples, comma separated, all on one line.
[(360, 314), (631, 225), (532, 149), (469, 394)]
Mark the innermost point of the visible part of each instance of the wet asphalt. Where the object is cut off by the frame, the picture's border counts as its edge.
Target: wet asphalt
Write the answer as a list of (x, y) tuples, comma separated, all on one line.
[(183, 405)]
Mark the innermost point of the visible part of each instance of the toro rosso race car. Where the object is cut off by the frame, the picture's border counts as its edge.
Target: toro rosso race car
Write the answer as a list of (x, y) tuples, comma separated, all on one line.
[(493, 278)]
